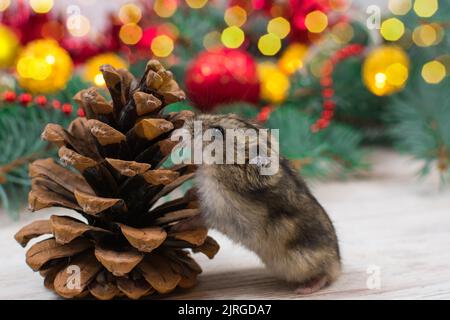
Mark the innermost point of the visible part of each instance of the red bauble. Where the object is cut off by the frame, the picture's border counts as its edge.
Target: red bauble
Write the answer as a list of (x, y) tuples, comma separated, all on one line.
[(222, 76)]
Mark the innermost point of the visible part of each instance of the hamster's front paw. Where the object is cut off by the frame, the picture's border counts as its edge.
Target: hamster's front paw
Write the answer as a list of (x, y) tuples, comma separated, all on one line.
[(312, 285)]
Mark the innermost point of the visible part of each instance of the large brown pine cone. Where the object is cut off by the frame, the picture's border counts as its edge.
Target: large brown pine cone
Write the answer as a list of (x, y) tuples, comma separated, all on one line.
[(129, 242)]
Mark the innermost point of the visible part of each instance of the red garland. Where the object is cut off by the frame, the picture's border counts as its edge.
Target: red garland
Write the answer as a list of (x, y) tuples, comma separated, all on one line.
[(326, 82), (264, 114), (26, 99)]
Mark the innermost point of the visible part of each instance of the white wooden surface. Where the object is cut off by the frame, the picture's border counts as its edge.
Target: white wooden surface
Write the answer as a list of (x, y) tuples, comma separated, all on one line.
[(388, 222)]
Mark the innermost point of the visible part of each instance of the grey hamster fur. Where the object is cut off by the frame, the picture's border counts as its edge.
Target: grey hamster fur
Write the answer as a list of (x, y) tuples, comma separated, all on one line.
[(274, 216)]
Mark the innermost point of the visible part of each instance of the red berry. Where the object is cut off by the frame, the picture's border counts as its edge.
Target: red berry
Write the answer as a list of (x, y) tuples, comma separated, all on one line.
[(327, 93), (323, 123), (327, 69), (356, 48), (41, 100), (264, 114), (326, 81), (25, 98), (329, 104), (56, 104), (67, 108), (81, 112), (9, 96), (327, 114)]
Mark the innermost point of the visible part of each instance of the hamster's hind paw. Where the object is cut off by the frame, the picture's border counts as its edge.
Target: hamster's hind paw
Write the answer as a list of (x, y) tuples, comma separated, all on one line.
[(312, 285)]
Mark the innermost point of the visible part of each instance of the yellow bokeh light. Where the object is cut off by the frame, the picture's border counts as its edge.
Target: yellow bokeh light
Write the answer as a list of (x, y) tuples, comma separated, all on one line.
[(292, 58), (130, 33), (440, 33), (445, 60), (212, 40), (162, 46), (433, 72), (316, 67), (316, 21), (4, 4), (165, 8), (425, 35), (397, 74), (274, 83), (342, 32), (50, 59), (41, 6), (23, 67), (380, 80), (39, 69), (279, 26), (235, 16), (9, 46), (269, 44), (78, 26), (130, 13), (232, 37), (43, 67), (400, 7), (196, 4), (99, 80), (386, 70), (92, 67), (392, 29), (425, 8)]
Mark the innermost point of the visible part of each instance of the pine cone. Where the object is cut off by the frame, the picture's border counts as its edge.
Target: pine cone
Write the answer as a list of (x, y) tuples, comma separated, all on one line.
[(130, 244)]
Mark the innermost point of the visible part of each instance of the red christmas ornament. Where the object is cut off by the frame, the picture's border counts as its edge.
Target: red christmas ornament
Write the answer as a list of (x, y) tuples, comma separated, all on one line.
[(148, 35), (9, 96), (25, 98), (222, 76)]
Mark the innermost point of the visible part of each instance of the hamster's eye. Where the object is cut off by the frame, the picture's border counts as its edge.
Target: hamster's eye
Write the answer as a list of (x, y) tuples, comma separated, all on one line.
[(218, 129)]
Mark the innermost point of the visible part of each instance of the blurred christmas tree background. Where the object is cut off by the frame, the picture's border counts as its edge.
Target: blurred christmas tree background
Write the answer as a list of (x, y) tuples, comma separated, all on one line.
[(337, 77)]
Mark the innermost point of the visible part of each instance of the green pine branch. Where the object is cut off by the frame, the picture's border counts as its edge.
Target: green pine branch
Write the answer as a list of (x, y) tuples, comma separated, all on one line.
[(20, 132), (420, 118), (333, 151)]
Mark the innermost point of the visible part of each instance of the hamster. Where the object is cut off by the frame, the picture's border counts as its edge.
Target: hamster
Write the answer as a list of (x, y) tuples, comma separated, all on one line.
[(275, 216)]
